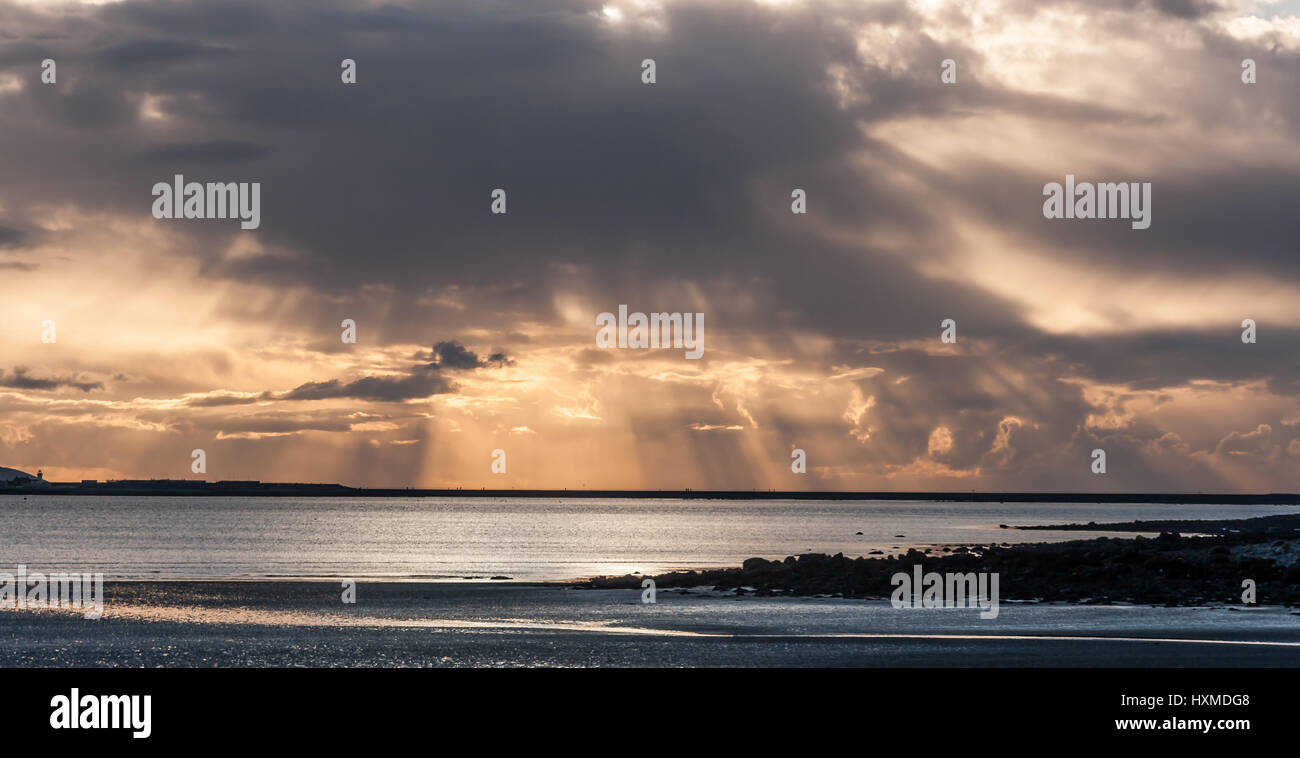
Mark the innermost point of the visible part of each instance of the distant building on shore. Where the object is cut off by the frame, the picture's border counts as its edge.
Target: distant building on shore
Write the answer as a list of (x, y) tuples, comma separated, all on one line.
[(12, 477)]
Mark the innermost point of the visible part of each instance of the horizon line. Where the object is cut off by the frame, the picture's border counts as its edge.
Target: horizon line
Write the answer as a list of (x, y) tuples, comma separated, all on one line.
[(200, 487)]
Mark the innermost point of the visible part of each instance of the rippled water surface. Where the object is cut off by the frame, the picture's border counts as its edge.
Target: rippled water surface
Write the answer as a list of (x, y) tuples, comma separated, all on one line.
[(220, 537)]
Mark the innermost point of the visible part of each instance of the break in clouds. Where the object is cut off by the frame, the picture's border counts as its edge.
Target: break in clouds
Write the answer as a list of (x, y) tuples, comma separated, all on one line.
[(475, 331)]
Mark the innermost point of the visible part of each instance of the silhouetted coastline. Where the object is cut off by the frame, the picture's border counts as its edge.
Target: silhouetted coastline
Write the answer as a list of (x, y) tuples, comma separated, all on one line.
[(1170, 569)]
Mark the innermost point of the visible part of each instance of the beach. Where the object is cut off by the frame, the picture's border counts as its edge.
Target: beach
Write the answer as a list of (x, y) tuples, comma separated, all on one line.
[(506, 624)]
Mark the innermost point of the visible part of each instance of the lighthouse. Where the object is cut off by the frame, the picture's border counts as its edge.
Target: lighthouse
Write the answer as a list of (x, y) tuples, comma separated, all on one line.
[(12, 477)]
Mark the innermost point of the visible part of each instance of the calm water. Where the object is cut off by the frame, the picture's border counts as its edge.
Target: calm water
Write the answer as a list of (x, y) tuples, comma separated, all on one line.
[(163, 537)]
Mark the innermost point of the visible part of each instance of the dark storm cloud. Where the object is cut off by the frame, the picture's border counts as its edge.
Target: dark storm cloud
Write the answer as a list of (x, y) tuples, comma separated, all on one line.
[(153, 53), (422, 382), (213, 151), (1162, 359), (453, 355), (634, 185), (1188, 9), (218, 18), (1197, 215), (20, 379), (10, 237), (1182, 9), (630, 183)]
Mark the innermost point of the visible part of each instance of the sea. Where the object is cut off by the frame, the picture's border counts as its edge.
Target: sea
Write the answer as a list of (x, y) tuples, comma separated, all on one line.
[(522, 539)]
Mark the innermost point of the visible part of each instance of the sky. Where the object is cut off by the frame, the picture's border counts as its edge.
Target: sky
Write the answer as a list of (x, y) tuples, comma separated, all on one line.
[(476, 331)]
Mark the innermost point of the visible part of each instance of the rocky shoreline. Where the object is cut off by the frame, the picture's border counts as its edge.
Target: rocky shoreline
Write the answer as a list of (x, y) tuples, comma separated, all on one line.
[(1170, 569)]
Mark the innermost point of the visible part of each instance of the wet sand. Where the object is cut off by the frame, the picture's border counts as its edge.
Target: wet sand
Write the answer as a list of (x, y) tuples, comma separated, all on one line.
[(305, 623)]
